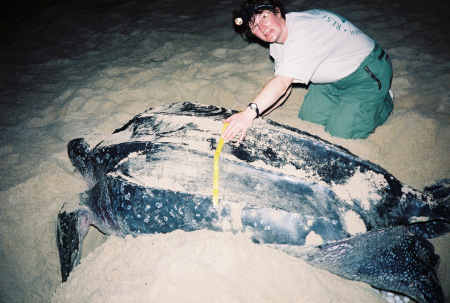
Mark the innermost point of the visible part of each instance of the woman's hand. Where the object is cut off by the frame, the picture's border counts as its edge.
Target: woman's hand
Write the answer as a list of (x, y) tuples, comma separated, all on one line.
[(238, 122), (277, 89)]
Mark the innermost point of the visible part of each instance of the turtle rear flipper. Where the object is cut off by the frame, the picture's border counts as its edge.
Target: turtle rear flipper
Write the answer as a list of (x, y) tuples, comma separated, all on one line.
[(430, 230), (71, 230), (440, 191), (391, 259)]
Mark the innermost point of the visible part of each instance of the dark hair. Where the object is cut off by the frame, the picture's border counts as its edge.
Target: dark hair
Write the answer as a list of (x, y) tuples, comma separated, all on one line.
[(249, 8)]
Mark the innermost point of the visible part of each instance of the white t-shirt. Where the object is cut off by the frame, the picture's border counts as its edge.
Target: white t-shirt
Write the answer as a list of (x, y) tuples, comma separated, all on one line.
[(321, 47)]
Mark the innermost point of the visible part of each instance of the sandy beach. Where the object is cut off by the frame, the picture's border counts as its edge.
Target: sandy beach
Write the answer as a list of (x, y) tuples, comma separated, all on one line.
[(87, 67)]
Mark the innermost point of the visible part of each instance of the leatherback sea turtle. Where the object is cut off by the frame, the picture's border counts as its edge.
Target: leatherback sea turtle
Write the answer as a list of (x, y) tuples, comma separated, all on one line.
[(283, 186)]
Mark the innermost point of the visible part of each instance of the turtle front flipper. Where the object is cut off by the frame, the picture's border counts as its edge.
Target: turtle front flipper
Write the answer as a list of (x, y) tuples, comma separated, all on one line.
[(71, 230), (391, 259)]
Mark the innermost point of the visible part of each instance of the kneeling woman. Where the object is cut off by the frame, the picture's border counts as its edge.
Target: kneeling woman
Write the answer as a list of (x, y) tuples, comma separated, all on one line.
[(348, 73)]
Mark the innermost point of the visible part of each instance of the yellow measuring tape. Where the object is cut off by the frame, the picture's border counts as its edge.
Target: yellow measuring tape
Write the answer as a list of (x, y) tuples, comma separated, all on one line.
[(216, 170)]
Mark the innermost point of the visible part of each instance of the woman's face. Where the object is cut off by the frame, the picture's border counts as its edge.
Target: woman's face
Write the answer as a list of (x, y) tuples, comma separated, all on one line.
[(269, 27)]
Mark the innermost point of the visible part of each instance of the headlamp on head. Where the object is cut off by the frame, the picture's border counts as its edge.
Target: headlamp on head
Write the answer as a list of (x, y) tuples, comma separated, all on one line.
[(247, 12)]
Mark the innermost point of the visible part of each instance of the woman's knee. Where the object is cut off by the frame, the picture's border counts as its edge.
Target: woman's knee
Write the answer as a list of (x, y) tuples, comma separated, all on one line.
[(318, 105)]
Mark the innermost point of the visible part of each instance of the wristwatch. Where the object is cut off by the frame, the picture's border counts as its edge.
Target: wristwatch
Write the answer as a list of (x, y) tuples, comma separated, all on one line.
[(254, 106)]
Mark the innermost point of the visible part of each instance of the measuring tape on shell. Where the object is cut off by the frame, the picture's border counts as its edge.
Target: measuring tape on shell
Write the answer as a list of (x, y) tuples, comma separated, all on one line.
[(216, 170)]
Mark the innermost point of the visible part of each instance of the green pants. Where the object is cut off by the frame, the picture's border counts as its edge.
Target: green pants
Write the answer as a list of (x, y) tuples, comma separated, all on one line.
[(353, 107)]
